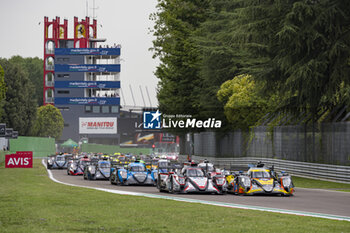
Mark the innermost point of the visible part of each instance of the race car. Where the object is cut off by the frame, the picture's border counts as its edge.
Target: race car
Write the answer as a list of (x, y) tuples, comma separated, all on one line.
[(122, 160), (97, 170), (191, 179), (77, 166), (134, 173), (58, 161), (260, 180)]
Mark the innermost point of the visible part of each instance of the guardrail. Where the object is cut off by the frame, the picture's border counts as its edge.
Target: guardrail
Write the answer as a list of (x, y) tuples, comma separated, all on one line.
[(303, 169)]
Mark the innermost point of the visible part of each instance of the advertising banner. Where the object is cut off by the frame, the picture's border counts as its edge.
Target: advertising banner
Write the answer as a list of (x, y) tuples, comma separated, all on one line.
[(87, 101), (8, 133), (87, 68), (2, 130), (101, 125), (22, 159), (14, 134), (87, 51), (87, 84)]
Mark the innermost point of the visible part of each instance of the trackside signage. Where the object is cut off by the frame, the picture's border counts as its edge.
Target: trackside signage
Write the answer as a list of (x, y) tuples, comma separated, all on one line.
[(102, 125), (22, 159)]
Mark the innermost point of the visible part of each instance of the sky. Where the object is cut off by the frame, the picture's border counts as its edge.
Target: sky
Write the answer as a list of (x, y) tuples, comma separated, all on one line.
[(124, 22)]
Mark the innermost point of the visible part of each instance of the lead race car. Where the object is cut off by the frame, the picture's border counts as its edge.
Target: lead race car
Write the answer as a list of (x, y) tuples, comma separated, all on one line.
[(134, 173), (191, 179), (58, 161), (260, 180)]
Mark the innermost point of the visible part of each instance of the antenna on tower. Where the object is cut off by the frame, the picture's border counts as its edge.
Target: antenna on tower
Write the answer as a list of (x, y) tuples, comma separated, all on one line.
[(93, 9), (87, 8)]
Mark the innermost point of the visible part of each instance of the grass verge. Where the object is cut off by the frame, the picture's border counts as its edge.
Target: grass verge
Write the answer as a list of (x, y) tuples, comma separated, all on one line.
[(31, 202), (319, 184), (2, 156)]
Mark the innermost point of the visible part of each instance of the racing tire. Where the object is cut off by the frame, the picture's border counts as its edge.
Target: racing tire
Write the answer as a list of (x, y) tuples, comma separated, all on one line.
[(158, 183), (117, 181), (171, 188)]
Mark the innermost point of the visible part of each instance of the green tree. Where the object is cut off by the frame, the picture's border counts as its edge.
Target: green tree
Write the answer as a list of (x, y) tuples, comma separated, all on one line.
[(313, 50), (244, 104), (34, 68), (49, 122), (2, 89), (19, 105)]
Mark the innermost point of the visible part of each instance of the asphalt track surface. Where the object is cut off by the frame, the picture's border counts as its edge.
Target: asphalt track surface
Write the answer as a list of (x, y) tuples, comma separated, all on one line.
[(308, 200)]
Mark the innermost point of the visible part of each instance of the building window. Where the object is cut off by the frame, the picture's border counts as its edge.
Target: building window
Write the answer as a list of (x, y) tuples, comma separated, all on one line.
[(96, 109), (63, 92), (105, 109), (66, 125), (63, 108), (114, 109), (88, 108)]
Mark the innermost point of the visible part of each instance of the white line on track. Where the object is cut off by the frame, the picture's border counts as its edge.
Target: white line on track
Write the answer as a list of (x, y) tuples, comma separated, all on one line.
[(231, 205)]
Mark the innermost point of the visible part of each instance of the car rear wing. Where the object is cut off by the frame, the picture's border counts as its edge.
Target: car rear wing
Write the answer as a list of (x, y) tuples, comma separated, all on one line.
[(171, 167), (118, 164)]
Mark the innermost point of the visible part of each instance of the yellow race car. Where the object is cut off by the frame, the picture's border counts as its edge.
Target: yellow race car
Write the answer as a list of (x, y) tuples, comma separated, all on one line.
[(260, 180)]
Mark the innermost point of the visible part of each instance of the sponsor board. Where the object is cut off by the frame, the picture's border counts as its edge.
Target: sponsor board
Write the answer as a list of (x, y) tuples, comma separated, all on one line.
[(87, 51), (22, 159), (88, 100), (87, 84), (87, 68), (105, 125), (2, 130), (8, 133)]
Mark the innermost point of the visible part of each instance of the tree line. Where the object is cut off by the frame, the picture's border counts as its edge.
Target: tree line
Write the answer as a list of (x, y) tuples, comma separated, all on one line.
[(21, 94), (238, 60)]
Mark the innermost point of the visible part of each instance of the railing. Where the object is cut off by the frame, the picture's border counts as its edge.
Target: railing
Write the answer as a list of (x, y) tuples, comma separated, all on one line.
[(310, 170)]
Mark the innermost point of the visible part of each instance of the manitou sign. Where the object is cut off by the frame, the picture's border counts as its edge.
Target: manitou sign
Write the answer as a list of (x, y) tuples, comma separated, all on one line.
[(22, 159)]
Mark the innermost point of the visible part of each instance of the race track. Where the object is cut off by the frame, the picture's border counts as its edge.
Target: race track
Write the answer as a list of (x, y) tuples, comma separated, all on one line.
[(304, 200)]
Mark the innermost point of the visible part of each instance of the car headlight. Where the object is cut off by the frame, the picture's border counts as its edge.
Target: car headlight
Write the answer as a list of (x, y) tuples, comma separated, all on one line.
[(286, 182), (91, 169), (220, 181), (246, 181), (50, 161)]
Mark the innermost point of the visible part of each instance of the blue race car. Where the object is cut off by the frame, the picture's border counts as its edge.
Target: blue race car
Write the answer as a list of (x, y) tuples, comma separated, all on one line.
[(133, 174)]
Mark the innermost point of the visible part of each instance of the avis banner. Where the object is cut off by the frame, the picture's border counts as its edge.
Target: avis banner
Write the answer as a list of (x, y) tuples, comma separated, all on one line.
[(22, 159)]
